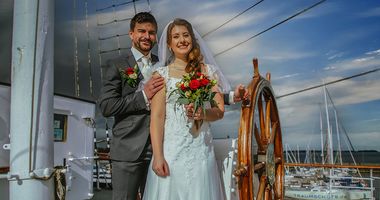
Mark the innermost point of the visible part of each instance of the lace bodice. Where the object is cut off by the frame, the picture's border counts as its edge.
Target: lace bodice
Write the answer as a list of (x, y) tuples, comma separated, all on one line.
[(181, 144)]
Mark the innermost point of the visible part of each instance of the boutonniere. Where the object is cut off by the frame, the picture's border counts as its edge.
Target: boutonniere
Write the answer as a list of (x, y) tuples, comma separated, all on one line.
[(130, 74)]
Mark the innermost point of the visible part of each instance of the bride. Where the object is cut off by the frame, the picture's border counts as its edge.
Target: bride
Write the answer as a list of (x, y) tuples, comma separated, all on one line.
[(183, 165)]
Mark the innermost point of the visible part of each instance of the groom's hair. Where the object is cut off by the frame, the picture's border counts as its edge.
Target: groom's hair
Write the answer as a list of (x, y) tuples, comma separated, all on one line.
[(142, 17)]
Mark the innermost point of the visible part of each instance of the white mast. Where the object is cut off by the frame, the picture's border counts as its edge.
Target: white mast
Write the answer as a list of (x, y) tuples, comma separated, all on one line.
[(330, 152), (31, 127), (321, 127), (338, 137)]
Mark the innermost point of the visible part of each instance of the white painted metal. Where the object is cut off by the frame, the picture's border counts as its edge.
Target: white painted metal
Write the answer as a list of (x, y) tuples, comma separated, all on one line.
[(5, 94), (78, 149), (226, 158), (32, 99)]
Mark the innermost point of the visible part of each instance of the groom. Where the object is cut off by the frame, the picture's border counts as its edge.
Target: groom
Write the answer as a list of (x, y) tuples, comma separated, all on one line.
[(122, 98)]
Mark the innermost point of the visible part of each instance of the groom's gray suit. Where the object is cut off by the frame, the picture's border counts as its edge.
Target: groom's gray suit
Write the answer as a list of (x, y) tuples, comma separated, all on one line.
[(130, 144)]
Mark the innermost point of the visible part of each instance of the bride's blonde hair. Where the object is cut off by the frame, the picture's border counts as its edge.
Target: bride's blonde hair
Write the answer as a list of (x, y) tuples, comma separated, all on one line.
[(195, 57)]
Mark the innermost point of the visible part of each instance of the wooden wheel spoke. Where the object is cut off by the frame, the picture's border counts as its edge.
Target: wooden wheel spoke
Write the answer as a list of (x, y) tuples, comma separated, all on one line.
[(261, 117), (274, 131), (278, 160), (258, 139), (267, 121), (263, 183), (259, 166), (268, 192), (278, 186)]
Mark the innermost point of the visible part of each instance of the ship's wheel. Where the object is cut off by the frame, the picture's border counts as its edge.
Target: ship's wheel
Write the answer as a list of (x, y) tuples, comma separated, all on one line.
[(260, 164)]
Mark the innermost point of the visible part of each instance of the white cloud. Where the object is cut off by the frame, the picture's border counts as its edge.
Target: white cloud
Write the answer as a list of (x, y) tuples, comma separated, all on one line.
[(334, 56), (286, 76), (363, 60), (355, 91), (377, 52), (291, 54), (356, 63)]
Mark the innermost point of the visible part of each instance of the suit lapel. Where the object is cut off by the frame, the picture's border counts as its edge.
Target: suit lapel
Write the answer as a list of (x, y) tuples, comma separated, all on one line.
[(154, 59), (131, 61), (130, 58)]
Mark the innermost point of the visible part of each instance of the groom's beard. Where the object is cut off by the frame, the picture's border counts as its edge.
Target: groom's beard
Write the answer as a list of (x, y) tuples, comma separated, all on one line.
[(144, 45)]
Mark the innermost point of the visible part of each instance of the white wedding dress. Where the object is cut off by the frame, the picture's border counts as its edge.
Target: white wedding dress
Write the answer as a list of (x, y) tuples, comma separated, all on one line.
[(193, 170)]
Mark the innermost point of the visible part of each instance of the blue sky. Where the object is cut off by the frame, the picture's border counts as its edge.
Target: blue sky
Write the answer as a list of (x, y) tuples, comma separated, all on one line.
[(337, 39)]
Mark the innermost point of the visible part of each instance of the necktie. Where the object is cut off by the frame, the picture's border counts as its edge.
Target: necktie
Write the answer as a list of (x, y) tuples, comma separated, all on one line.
[(145, 70)]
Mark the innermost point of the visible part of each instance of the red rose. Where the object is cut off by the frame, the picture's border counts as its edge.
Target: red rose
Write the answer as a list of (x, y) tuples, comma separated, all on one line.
[(129, 71), (204, 82), (199, 74), (194, 84), (183, 88)]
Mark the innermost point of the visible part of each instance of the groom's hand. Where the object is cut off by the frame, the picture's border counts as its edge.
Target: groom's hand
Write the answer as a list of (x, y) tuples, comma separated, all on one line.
[(240, 93), (160, 167), (155, 84)]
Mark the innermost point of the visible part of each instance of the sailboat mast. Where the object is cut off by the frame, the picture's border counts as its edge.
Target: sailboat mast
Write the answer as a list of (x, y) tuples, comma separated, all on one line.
[(338, 137), (321, 127), (329, 135)]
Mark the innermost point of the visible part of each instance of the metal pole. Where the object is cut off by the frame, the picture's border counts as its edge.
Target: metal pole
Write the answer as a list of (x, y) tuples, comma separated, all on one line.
[(371, 182), (338, 136), (32, 152), (330, 146), (322, 141)]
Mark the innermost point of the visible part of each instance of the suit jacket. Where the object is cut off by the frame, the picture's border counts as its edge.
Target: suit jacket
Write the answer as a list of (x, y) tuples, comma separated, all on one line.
[(132, 119), (226, 98)]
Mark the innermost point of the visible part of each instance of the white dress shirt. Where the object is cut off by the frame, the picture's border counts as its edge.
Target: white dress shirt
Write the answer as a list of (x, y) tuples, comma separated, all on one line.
[(145, 66)]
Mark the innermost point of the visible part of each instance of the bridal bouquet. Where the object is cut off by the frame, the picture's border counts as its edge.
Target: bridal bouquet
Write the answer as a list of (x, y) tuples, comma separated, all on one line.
[(195, 87)]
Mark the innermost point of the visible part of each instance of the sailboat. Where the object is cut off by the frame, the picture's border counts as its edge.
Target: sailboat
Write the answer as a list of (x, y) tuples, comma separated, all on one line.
[(317, 182)]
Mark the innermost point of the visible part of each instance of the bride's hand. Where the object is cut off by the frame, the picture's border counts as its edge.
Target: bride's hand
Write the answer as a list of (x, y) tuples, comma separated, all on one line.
[(160, 167), (190, 112)]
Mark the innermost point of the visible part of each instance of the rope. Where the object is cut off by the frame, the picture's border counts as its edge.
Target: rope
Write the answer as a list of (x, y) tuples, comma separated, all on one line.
[(59, 183), (99, 48), (114, 21), (89, 51), (279, 23), (228, 21), (76, 62), (331, 82), (113, 36), (115, 5)]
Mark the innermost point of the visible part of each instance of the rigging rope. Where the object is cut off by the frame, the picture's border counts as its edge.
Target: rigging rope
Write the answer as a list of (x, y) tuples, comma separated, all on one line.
[(88, 51), (76, 62), (279, 23), (98, 42), (328, 83), (116, 5), (228, 21)]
